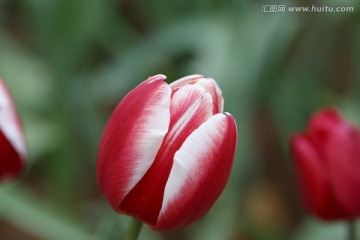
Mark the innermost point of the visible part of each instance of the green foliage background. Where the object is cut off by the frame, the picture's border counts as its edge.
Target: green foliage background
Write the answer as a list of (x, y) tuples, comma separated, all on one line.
[(69, 62)]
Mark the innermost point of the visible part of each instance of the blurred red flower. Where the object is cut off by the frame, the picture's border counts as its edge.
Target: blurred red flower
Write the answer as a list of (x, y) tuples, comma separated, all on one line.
[(327, 159)]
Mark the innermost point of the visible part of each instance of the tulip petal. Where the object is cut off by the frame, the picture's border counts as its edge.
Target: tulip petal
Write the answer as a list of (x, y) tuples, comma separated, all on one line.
[(210, 86), (185, 80), (321, 123), (190, 106), (13, 149), (199, 174), (11, 163), (312, 178), (314, 181), (342, 150), (132, 138)]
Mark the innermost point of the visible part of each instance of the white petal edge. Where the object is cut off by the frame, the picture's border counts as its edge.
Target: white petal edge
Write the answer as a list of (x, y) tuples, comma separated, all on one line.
[(184, 80), (157, 77), (155, 130)]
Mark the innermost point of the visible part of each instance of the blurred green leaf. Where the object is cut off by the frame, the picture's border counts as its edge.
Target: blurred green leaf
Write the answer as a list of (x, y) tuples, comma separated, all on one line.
[(39, 218)]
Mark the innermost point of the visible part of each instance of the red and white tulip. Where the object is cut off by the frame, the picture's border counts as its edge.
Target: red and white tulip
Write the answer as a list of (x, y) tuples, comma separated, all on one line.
[(12, 143), (167, 151)]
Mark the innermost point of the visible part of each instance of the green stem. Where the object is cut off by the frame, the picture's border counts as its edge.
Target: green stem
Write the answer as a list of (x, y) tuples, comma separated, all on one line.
[(133, 231), (352, 230)]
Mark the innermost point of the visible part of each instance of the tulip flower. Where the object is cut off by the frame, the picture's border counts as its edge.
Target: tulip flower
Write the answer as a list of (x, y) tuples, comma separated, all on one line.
[(12, 144), (327, 160), (166, 153)]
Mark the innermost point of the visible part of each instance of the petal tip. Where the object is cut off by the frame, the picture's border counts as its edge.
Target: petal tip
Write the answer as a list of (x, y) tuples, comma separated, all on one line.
[(158, 77)]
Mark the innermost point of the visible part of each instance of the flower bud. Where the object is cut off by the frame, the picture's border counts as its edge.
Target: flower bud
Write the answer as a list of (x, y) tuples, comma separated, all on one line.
[(12, 143), (167, 151), (327, 160)]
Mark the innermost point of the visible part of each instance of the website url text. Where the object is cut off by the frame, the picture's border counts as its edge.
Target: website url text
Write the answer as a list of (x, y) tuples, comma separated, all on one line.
[(308, 9)]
